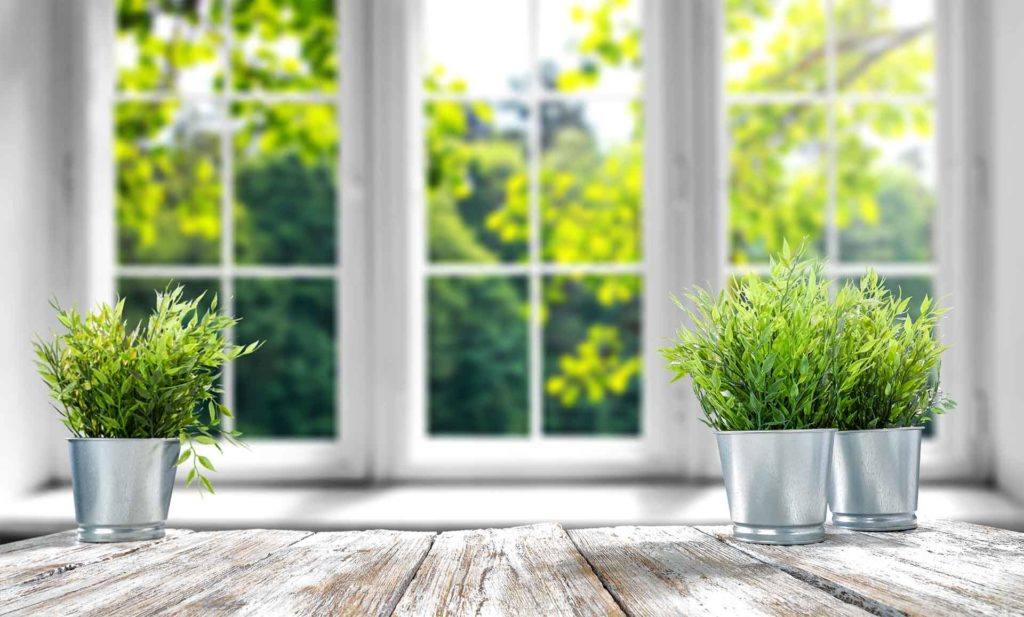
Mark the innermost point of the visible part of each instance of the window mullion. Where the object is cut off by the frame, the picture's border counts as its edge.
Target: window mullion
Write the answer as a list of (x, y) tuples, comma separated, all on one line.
[(227, 235), (832, 172), (536, 342)]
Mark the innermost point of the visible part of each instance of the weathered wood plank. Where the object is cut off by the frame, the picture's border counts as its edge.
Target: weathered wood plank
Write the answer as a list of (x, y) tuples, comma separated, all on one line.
[(345, 573), (681, 571), (161, 576), (532, 570), (993, 539), (23, 561), (923, 572)]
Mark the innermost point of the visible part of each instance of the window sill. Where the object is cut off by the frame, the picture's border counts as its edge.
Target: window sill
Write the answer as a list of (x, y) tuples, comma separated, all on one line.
[(459, 506)]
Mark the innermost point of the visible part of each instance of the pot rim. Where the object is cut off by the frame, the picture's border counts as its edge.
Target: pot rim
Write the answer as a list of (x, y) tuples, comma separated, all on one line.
[(787, 431), (122, 439), (879, 430)]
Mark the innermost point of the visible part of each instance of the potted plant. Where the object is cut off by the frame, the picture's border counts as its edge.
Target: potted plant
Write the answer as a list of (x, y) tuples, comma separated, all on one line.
[(887, 374), (138, 402), (759, 359)]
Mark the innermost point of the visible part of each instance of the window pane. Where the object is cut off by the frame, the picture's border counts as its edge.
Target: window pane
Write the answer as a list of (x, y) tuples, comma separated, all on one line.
[(285, 182), (478, 356), (476, 47), (592, 355), (140, 294), (476, 181), (886, 182), (777, 178), (885, 46), (287, 388), (590, 45), (168, 45), (168, 182), (591, 181), (775, 46), (284, 45)]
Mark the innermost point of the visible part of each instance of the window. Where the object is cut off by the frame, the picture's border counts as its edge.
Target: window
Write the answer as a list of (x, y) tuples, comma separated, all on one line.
[(524, 183), (226, 148), (830, 113), (532, 272), (534, 188)]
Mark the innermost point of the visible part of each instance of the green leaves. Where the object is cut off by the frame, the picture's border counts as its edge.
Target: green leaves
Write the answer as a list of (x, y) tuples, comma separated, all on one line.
[(779, 353), (158, 379), (888, 363)]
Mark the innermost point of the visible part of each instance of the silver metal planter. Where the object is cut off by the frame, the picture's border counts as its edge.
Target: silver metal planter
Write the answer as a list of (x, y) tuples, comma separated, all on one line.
[(776, 482), (873, 486), (122, 487)]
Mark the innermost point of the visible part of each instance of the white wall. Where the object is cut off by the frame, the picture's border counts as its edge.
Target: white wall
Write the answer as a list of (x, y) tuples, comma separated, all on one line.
[(29, 184), (1007, 198)]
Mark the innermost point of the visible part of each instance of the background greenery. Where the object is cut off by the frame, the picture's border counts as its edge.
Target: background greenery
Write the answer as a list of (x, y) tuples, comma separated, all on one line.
[(477, 183)]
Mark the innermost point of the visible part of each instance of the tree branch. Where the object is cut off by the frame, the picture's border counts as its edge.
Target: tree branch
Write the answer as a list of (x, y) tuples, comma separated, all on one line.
[(850, 43), (892, 41)]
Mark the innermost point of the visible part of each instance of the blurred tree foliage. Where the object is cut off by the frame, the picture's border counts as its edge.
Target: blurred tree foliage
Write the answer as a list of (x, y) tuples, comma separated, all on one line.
[(477, 183), (169, 190)]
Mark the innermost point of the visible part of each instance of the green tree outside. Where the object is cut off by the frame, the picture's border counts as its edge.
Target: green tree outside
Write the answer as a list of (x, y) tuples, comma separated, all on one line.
[(477, 184)]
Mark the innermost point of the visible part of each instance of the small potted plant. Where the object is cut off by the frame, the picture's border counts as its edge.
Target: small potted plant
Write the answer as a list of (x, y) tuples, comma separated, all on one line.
[(760, 362), (138, 401), (887, 374)]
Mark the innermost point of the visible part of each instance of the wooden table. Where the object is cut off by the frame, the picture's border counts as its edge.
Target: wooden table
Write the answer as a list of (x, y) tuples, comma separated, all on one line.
[(942, 568)]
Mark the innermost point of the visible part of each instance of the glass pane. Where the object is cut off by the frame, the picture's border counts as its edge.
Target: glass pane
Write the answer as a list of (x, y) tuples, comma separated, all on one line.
[(168, 182), (591, 181), (478, 356), (592, 357), (476, 181), (169, 45), (886, 182), (777, 178), (775, 46), (476, 47), (590, 45), (287, 388), (285, 182), (284, 45), (885, 46), (140, 294)]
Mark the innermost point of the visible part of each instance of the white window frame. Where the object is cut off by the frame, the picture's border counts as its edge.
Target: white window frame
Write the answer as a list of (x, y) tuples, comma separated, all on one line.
[(405, 450), (344, 455), (381, 322), (951, 454)]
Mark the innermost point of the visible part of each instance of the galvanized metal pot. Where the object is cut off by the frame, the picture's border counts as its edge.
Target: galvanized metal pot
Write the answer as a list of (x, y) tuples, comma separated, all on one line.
[(122, 487), (873, 486), (776, 482)]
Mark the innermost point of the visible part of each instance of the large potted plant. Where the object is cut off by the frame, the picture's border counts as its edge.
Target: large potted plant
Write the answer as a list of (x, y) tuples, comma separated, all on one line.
[(760, 362), (139, 401), (887, 372)]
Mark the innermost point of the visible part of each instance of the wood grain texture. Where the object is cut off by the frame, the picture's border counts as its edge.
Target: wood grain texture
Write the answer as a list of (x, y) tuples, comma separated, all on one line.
[(681, 571), (27, 560), (532, 570), (924, 572), (992, 539), (344, 573), (147, 581), (943, 568)]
